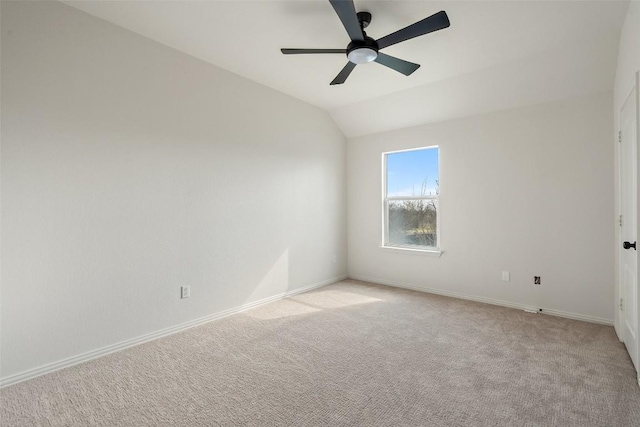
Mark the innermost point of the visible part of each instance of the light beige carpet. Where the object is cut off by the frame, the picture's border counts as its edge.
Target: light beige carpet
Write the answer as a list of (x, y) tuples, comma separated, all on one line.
[(349, 354)]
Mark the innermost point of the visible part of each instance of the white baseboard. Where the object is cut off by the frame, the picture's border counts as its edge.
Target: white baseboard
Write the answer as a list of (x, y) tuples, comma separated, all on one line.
[(65, 363), (502, 303)]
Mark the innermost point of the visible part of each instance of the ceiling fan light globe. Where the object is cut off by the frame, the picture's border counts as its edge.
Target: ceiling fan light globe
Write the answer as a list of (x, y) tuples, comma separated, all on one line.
[(362, 55)]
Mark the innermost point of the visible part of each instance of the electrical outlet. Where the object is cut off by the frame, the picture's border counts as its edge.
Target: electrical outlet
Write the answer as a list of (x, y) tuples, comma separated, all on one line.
[(536, 280), (505, 276), (335, 259), (185, 292)]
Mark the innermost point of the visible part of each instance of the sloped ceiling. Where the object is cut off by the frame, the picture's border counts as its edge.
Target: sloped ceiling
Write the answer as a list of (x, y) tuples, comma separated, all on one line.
[(495, 55)]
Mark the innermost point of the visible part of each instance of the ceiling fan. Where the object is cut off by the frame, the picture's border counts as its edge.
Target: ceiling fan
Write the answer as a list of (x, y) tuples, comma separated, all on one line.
[(364, 49)]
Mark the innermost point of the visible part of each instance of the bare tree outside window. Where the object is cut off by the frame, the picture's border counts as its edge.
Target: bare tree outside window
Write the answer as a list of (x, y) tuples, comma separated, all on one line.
[(415, 221)]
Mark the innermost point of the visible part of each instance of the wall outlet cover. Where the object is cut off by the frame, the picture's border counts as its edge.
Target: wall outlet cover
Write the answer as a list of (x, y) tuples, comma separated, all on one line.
[(185, 292)]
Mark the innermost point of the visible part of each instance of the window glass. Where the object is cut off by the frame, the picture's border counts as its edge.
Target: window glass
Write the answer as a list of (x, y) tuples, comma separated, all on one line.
[(412, 173), (411, 198), (413, 222)]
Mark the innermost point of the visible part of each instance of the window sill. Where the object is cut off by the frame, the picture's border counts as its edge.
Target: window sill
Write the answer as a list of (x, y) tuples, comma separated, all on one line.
[(414, 251)]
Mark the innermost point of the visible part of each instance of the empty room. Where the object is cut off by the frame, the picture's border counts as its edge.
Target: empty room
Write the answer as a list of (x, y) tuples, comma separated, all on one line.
[(319, 213)]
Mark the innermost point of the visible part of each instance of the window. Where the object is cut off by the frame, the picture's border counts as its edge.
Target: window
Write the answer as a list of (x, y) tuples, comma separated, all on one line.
[(411, 191)]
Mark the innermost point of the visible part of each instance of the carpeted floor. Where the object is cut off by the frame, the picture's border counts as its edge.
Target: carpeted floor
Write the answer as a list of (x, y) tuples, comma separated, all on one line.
[(349, 354)]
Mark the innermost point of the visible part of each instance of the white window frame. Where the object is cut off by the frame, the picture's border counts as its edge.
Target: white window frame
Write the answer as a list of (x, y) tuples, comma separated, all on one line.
[(429, 250)]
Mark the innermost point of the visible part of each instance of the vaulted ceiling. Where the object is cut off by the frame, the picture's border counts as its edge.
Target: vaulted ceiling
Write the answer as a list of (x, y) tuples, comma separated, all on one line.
[(495, 55)]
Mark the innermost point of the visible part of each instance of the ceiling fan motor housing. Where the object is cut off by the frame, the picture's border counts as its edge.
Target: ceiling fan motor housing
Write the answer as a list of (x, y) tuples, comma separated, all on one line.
[(361, 52)]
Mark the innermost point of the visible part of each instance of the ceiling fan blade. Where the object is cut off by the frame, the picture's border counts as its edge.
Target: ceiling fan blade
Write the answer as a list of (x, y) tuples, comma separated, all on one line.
[(400, 65), (347, 13), (301, 51), (342, 75), (433, 23)]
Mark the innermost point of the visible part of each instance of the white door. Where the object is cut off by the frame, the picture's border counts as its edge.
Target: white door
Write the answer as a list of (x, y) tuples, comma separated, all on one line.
[(628, 204)]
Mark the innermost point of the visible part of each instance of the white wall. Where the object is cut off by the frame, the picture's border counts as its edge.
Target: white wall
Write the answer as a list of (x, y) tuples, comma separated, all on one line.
[(526, 190), (628, 66), (130, 169)]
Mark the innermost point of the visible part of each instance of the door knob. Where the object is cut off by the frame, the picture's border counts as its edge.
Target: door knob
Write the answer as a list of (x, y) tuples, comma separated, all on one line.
[(628, 245)]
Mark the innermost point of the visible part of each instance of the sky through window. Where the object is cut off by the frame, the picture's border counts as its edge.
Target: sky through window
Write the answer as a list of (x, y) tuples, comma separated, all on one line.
[(407, 171)]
